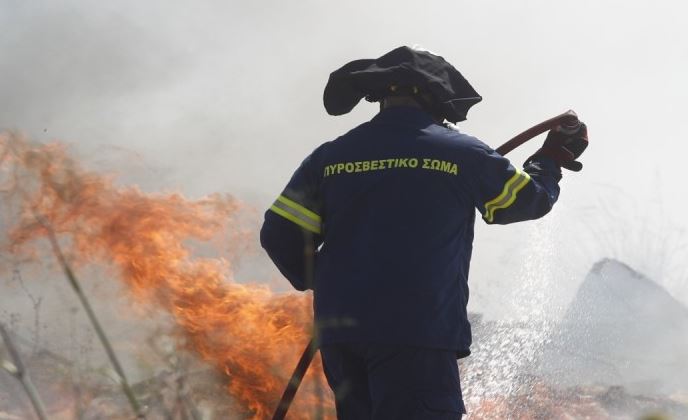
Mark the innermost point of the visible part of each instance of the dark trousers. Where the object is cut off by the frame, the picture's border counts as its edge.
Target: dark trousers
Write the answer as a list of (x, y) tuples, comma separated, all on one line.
[(382, 382)]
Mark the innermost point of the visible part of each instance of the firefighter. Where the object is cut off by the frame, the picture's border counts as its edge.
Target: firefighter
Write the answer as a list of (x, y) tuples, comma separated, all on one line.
[(386, 214)]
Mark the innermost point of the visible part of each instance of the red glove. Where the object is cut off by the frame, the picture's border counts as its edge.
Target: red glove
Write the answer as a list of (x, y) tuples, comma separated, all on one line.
[(564, 147)]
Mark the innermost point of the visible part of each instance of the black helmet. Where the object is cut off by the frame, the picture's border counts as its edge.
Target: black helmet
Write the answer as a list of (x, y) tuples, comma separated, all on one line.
[(403, 70)]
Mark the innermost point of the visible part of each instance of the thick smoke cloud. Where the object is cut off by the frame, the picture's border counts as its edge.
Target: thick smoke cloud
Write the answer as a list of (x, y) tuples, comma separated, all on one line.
[(226, 96)]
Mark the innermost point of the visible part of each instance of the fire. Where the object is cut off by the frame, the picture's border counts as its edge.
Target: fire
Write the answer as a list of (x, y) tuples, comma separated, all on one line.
[(248, 332)]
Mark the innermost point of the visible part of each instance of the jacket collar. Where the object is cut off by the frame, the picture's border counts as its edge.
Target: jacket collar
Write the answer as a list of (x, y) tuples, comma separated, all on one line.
[(406, 115)]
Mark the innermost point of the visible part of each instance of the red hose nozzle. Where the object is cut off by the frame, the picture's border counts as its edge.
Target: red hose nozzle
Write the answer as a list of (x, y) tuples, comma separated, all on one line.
[(569, 122)]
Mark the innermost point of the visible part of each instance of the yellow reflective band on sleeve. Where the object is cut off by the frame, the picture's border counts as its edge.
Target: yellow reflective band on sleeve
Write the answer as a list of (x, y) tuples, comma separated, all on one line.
[(295, 212), (515, 184)]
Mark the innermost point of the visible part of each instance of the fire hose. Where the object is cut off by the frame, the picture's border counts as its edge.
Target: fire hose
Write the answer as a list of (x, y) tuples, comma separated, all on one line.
[(567, 122)]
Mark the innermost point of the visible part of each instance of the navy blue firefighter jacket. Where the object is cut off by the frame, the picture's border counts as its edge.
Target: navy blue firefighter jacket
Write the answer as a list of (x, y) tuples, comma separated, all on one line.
[(389, 209)]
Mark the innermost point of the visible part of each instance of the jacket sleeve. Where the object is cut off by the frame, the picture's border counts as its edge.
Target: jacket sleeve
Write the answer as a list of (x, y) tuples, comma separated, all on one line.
[(505, 194), (292, 230)]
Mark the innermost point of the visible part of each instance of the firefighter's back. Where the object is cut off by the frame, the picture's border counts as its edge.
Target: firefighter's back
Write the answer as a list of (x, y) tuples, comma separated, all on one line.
[(398, 228)]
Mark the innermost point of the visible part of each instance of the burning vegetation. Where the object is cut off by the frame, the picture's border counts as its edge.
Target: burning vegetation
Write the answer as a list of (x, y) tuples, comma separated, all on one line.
[(248, 333)]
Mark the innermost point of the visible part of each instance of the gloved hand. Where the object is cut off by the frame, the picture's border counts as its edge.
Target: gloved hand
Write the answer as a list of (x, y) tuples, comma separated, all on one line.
[(564, 147)]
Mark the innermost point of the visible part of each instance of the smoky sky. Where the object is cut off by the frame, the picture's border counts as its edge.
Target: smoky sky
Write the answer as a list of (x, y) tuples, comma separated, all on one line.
[(226, 96)]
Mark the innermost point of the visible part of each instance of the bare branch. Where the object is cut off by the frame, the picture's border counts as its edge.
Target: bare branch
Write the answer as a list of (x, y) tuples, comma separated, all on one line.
[(16, 368), (76, 286)]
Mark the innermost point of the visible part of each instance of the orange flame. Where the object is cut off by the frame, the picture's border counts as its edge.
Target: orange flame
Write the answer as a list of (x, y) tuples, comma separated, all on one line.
[(251, 334)]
